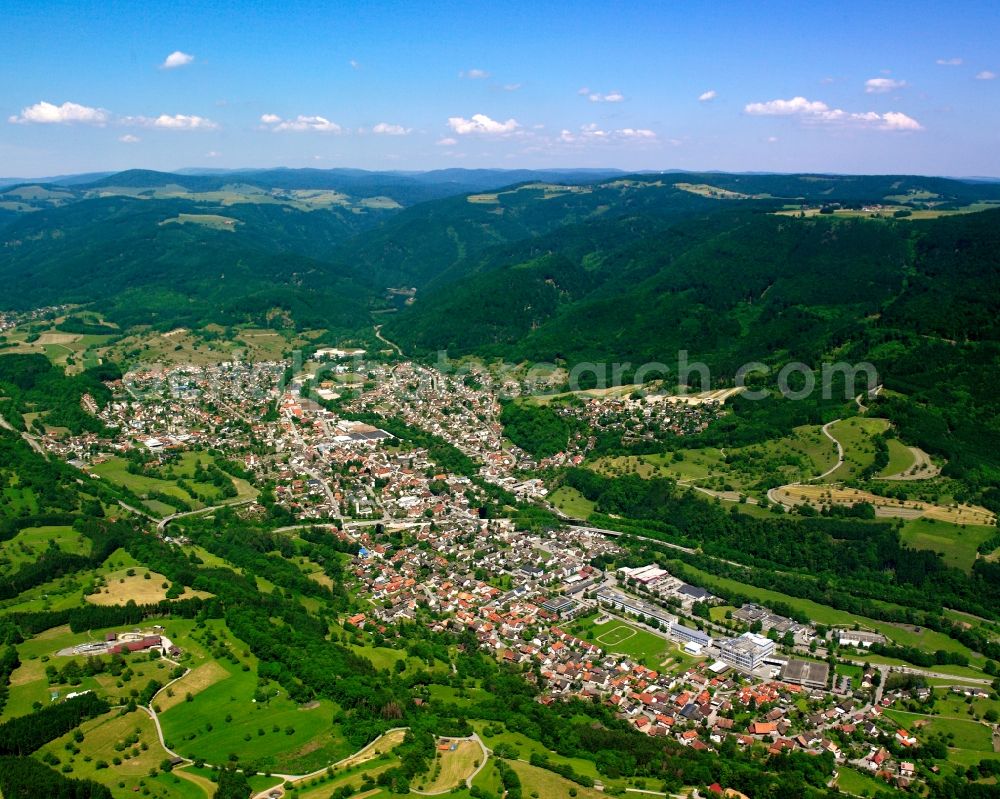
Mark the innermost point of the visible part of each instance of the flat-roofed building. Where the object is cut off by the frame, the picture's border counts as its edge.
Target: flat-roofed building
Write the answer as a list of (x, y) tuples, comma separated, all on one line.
[(703, 639), (746, 652), (630, 604), (644, 574), (809, 673), (859, 638), (562, 606)]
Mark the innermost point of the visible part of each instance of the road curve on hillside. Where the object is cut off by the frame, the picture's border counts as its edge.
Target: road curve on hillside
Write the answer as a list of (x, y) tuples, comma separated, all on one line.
[(384, 340)]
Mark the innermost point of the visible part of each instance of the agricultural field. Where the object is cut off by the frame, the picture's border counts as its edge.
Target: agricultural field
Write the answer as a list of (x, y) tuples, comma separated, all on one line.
[(890, 507), (958, 544), (74, 351)]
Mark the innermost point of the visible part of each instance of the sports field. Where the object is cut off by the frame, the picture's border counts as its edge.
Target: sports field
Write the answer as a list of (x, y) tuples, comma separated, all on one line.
[(619, 637)]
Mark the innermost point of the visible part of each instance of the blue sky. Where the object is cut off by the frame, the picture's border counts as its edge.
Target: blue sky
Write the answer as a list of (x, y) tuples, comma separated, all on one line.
[(840, 87)]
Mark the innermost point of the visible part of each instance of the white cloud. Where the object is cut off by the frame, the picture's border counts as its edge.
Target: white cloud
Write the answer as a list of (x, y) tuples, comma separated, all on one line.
[(128, 138), (894, 120), (583, 91), (704, 97), (354, 64), (474, 74), (635, 133), (482, 124), (883, 85), (986, 75), (447, 141), (949, 62), (44, 113), (772, 139), (592, 133), (610, 97), (817, 112), (178, 122), (301, 124), (388, 129), (512, 87), (797, 105), (176, 59), (212, 154)]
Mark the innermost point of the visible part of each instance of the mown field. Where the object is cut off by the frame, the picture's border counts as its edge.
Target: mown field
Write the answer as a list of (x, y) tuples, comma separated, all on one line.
[(958, 544), (231, 713)]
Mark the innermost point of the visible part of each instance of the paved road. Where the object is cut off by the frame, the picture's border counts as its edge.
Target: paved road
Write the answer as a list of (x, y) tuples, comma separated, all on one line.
[(161, 525), (772, 493), (383, 339), (840, 451), (468, 780), (296, 777)]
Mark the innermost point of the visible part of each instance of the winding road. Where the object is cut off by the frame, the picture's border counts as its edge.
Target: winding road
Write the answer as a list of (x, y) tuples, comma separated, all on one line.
[(772, 493), (384, 340)]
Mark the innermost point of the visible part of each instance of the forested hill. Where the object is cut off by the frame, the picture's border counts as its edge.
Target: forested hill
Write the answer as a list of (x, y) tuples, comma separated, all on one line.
[(313, 248), (730, 287)]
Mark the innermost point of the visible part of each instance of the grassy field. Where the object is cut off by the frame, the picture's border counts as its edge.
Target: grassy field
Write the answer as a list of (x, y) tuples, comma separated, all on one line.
[(857, 784), (961, 733), (855, 435), (129, 738), (223, 717), (956, 543), (451, 767), (550, 785), (383, 657), (458, 696), (526, 747), (949, 704), (115, 470), (802, 454), (571, 502), (145, 587), (213, 221), (31, 542), (619, 637), (29, 683), (900, 458), (222, 712)]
